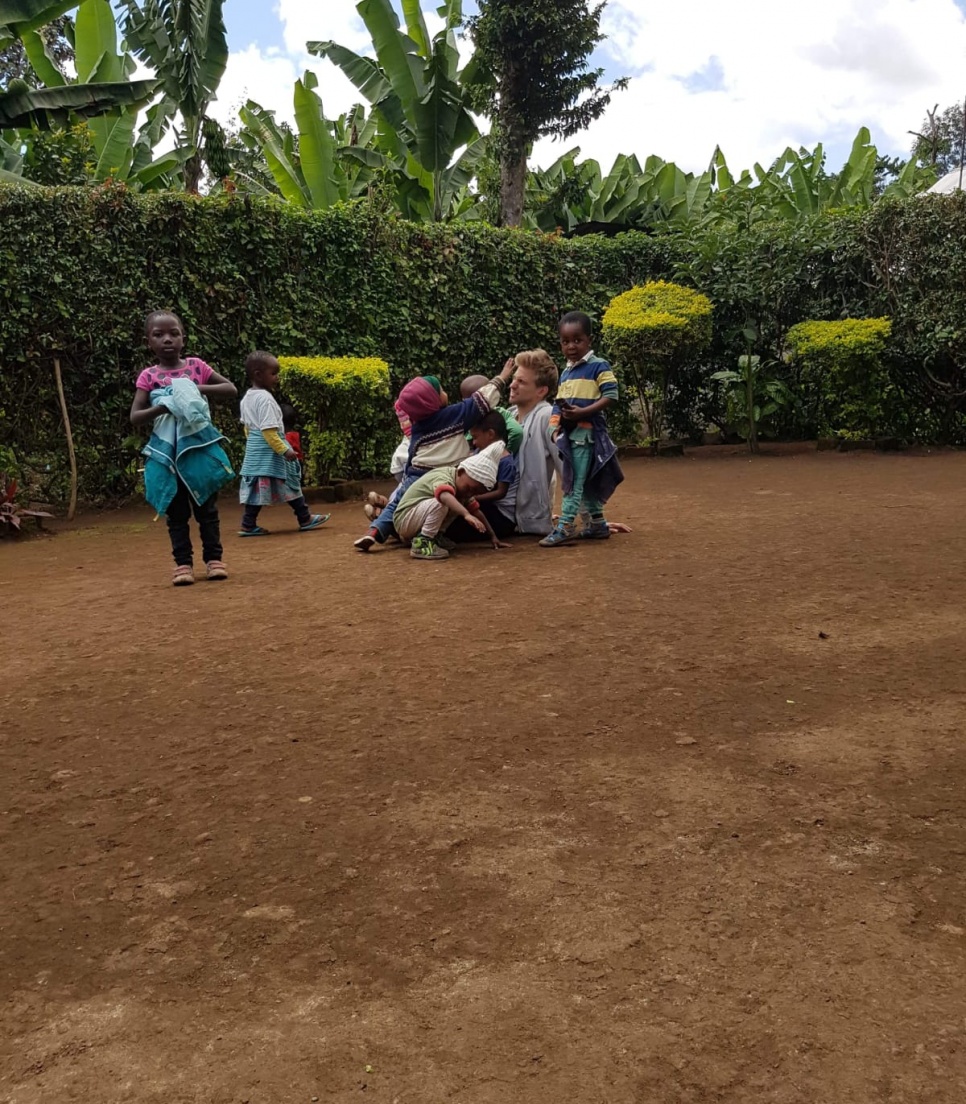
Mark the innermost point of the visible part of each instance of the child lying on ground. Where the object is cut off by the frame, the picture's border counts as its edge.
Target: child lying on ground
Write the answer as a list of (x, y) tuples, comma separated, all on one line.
[(438, 436), (440, 496)]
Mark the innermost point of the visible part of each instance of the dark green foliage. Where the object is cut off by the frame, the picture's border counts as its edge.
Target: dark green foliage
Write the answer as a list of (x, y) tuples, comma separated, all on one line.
[(80, 268), (940, 142)]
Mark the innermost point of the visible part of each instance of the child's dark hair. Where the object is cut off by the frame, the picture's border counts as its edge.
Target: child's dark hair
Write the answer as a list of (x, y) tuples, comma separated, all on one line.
[(497, 423), (577, 318), (290, 416), (152, 315), (255, 361)]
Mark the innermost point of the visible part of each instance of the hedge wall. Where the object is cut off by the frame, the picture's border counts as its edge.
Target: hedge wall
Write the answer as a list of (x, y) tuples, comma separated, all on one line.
[(79, 269)]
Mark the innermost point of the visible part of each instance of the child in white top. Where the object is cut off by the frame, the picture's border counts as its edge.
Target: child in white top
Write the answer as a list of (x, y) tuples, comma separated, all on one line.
[(270, 472)]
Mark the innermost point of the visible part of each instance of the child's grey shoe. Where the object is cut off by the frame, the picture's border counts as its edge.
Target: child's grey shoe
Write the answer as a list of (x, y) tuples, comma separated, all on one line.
[(563, 534), (599, 531)]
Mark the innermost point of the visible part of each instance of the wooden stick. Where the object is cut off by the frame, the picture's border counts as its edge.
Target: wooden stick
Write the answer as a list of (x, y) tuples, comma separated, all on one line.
[(72, 508)]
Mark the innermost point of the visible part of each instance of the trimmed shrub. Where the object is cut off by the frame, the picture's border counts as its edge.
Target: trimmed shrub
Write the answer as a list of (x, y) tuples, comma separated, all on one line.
[(345, 407), (654, 333), (844, 376), (80, 268)]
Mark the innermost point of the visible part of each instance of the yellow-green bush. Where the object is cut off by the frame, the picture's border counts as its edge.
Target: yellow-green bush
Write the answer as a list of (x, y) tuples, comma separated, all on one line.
[(345, 410), (652, 332), (844, 375)]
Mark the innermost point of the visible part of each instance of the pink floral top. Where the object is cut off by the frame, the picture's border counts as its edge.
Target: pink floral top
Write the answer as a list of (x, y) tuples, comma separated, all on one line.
[(156, 376)]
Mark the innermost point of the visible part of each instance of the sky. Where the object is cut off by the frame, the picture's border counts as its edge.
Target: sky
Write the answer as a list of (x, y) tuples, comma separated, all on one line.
[(779, 73)]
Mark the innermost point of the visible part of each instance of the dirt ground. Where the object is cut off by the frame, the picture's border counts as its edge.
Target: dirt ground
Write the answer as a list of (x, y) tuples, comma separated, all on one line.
[(673, 819)]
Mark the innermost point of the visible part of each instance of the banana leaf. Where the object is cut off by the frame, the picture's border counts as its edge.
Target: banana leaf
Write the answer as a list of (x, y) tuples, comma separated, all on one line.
[(19, 16), (38, 107), (41, 61), (117, 155), (261, 124), (317, 149), (416, 25)]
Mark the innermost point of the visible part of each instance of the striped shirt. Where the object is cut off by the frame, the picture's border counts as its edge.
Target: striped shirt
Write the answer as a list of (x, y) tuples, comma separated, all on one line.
[(583, 384)]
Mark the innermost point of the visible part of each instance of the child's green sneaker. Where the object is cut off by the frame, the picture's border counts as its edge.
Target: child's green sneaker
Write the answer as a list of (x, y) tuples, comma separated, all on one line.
[(563, 534), (425, 548)]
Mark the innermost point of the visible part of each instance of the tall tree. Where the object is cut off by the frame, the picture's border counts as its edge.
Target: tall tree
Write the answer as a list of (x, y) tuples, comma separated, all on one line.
[(940, 141), (533, 80)]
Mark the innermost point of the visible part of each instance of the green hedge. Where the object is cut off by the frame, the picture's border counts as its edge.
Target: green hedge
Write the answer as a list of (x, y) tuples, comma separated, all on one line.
[(79, 269)]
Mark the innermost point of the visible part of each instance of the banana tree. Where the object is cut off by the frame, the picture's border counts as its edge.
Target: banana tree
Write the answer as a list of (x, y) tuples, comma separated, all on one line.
[(421, 105), (102, 88), (185, 43), (327, 162)]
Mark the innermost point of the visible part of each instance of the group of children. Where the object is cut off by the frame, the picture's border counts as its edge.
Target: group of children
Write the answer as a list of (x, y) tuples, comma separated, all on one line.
[(480, 468)]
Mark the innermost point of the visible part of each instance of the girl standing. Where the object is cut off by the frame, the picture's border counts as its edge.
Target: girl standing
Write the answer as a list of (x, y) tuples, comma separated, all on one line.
[(165, 338)]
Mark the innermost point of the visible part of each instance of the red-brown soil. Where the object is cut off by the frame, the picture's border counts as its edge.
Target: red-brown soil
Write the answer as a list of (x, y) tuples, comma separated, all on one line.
[(675, 818)]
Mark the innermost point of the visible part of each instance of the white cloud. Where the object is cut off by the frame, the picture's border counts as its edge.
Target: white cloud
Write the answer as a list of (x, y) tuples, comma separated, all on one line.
[(789, 75), (780, 74)]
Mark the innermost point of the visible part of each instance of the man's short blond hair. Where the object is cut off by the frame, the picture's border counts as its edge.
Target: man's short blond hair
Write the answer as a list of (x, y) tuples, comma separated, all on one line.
[(544, 370)]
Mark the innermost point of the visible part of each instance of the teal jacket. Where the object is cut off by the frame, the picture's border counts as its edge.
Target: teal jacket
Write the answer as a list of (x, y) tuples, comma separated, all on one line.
[(183, 446)]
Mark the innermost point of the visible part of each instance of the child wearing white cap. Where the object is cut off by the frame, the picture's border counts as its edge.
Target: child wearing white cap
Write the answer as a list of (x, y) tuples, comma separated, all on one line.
[(440, 496)]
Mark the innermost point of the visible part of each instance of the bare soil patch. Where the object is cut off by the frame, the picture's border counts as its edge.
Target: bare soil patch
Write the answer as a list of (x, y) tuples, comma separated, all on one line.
[(608, 823)]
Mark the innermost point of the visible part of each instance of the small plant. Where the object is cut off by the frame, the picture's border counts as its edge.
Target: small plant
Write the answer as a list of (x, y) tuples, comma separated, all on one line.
[(752, 398), (11, 513), (652, 332)]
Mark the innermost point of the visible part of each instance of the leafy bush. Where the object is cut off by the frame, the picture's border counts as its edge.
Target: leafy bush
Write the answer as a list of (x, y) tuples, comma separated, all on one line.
[(82, 267), (345, 407), (844, 377), (654, 333)]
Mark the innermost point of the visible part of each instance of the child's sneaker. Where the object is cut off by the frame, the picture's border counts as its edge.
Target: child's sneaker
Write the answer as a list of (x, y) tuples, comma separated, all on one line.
[(371, 512), (183, 575), (563, 534), (374, 499), (363, 544), (314, 522), (216, 571), (595, 530), (425, 548)]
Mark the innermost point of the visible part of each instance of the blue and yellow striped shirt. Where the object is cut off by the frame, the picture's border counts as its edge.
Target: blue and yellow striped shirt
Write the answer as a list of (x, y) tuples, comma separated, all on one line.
[(584, 383)]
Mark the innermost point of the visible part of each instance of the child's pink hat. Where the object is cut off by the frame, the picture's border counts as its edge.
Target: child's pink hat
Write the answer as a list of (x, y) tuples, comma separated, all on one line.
[(419, 398)]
